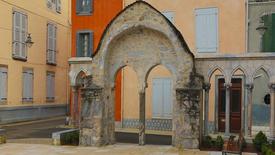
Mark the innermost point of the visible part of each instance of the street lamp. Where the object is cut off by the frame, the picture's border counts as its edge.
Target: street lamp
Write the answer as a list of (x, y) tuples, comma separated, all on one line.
[(261, 29), (29, 41)]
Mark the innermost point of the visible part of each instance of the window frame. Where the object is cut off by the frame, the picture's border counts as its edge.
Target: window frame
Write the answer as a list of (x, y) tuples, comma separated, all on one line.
[(48, 97), (91, 42), (84, 13), (24, 99), (22, 56), (48, 60), (217, 30)]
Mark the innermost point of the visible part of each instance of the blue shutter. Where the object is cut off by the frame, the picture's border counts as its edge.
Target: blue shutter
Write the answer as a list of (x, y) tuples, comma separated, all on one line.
[(157, 98), (3, 83), (78, 45), (16, 34), (27, 85), (207, 30), (91, 44), (91, 8), (167, 98)]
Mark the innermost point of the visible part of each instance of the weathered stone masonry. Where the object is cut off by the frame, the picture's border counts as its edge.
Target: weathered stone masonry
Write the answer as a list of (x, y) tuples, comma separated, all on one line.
[(142, 38)]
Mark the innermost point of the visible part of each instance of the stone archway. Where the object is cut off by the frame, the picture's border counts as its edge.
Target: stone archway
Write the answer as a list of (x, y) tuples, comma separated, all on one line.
[(140, 37)]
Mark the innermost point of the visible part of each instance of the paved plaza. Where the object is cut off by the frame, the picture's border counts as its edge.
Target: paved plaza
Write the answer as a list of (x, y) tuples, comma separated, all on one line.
[(117, 149)]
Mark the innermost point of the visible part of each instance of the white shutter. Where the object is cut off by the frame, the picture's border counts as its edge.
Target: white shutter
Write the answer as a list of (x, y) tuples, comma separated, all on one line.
[(54, 44), (3, 83), (23, 36), (169, 15), (27, 85), (207, 30), (16, 34), (50, 85), (30, 85), (51, 52), (167, 98), (58, 6)]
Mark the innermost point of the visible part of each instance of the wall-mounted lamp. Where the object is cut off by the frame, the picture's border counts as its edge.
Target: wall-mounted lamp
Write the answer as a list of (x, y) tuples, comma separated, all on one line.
[(29, 41)]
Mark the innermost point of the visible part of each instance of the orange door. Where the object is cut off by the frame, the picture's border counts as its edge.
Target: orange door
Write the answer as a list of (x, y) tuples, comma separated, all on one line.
[(118, 97)]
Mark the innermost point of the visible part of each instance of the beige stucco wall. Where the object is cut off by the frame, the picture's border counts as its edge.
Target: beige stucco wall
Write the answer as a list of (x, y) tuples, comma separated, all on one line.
[(231, 17), (38, 17)]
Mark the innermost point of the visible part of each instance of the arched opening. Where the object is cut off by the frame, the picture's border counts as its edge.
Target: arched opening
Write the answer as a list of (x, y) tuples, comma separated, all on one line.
[(76, 106), (260, 107), (216, 107), (237, 100), (159, 106), (126, 105)]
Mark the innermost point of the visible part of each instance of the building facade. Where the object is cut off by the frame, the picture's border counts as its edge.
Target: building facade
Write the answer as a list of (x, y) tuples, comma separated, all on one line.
[(35, 47), (89, 20)]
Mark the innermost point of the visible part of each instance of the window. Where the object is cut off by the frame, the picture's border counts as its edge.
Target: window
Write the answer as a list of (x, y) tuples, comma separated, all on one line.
[(51, 44), (19, 48), (162, 98), (169, 15), (84, 44), (268, 38), (206, 30), (84, 6), (50, 85), (27, 85), (3, 83), (54, 5)]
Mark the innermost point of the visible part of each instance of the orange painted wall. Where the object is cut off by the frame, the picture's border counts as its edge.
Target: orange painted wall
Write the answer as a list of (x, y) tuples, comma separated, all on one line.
[(103, 12)]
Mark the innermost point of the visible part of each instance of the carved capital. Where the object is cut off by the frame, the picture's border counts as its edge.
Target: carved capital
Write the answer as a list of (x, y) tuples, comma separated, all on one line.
[(249, 86), (227, 85), (272, 87), (206, 86)]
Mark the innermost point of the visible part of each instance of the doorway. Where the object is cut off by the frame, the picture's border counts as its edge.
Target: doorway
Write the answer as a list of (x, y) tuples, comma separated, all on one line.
[(235, 105)]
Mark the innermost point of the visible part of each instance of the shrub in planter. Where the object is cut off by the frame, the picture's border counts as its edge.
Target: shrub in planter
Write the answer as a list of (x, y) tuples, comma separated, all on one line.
[(259, 140), (273, 144), (219, 142), (207, 141), (244, 145), (264, 148), (70, 138)]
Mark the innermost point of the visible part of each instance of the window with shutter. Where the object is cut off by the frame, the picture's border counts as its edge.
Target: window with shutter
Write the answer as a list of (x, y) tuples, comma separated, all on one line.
[(84, 7), (162, 98), (50, 86), (19, 35), (27, 85), (169, 15), (51, 44), (84, 43), (206, 30), (3, 83)]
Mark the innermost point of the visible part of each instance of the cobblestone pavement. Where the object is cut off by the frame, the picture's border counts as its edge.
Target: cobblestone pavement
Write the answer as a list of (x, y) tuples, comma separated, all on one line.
[(117, 149)]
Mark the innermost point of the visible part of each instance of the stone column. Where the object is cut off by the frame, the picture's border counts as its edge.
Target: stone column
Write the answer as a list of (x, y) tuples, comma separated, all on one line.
[(227, 108), (93, 124), (186, 124), (248, 106), (142, 118), (206, 88), (272, 112), (75, 105)]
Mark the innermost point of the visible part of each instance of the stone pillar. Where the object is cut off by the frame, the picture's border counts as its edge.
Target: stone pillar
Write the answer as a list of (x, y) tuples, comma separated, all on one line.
[(92, 122), (248, 106), (186, 127), (227, 108), (272, 112), (206, 88), (75, 105), (142, 118)]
